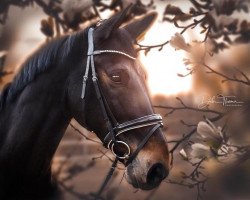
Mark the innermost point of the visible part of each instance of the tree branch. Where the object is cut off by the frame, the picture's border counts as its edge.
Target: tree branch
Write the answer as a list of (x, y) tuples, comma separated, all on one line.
[(82, 134), (228, 78)]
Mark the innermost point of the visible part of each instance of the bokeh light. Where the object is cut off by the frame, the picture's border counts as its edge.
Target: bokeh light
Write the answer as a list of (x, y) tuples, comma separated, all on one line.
[(163, 66)]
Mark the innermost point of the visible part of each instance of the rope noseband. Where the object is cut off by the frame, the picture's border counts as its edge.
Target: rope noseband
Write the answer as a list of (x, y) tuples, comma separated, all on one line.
[(114, 128)]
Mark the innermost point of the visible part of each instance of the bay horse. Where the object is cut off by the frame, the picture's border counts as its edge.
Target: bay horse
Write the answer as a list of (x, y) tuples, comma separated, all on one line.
[(54, 85)]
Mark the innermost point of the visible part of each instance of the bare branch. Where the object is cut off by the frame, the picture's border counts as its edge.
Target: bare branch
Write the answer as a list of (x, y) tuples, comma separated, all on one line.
[(82, 134), (228, 78), (186, 107)]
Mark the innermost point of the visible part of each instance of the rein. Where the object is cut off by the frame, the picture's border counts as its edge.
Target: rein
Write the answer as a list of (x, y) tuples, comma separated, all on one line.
[(114, 128)]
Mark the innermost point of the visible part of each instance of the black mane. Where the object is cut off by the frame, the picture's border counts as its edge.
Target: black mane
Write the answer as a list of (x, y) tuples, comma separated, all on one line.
[(42, 60)]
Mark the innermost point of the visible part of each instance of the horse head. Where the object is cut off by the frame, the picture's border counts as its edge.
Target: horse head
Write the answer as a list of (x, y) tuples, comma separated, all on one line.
[(115, 101)]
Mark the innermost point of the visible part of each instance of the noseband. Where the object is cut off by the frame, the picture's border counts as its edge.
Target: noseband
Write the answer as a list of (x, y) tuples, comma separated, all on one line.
[(114, 128)]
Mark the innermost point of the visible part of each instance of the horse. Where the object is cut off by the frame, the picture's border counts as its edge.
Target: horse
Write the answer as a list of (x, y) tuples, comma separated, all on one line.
[(54, 85)]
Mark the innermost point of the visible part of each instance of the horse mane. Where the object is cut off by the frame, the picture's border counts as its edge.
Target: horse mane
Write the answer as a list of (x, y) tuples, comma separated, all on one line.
[(51, 55), (42, 60)]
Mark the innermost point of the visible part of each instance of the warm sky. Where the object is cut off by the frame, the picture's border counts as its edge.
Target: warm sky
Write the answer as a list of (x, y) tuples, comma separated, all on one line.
[(162, 66)]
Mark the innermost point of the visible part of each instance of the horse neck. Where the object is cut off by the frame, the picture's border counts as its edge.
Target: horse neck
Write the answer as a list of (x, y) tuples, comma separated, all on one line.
[(35, 123)]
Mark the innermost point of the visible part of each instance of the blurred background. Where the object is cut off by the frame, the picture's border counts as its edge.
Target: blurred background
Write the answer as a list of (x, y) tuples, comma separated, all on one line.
[(197, 59)]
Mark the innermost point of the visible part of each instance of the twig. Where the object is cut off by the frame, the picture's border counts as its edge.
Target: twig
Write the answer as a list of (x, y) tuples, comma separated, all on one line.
[(148, 47), (195, 171), (82, 134), (160, 46), (73, 192), (227, 78), (186, 107), (184, 138), (51, 12), (186, 124)]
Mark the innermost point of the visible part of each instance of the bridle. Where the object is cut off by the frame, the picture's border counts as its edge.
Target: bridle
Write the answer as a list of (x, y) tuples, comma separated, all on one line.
[(114, 128)]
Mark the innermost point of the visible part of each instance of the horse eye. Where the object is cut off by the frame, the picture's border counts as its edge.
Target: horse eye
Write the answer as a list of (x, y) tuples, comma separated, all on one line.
[(119, 76), (116, 78)]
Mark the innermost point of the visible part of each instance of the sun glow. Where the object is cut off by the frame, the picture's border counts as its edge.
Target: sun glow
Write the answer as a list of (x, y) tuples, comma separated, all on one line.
[(163, 66)]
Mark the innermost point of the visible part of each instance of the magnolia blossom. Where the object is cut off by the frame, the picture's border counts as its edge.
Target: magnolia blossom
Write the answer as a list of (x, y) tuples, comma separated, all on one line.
[(183, 154), (201, 151), (178, 42), (210, 134), (197, 50)]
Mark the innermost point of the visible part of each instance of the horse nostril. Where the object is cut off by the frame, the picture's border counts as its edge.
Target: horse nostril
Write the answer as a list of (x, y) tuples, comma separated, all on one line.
[(156, 174)]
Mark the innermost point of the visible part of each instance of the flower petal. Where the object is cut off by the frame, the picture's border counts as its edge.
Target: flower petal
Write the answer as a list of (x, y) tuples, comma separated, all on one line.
[(183, 154), (204, 130), (211, 135), (178, 42), (200, 151)]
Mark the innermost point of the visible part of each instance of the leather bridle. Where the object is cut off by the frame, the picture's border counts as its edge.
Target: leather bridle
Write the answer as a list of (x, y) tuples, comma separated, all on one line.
[(114, 128)]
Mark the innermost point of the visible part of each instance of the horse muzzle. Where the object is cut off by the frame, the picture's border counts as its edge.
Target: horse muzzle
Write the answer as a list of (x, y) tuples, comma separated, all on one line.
[(146, 173)]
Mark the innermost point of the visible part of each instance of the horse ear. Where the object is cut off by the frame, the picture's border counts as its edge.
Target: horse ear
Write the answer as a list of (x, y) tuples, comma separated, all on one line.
[(108, 26), (139, 27)]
